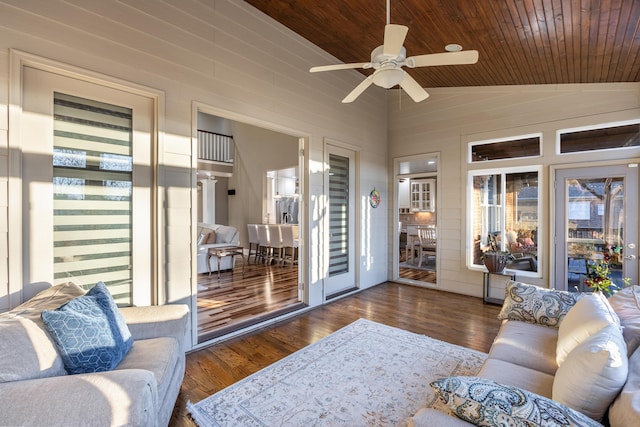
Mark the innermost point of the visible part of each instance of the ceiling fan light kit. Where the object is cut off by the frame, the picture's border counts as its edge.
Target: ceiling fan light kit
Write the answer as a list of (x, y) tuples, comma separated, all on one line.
[(387, 61)]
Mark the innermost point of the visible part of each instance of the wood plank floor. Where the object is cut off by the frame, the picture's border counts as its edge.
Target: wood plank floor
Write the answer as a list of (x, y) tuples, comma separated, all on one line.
[(457, 319), (234, 302)]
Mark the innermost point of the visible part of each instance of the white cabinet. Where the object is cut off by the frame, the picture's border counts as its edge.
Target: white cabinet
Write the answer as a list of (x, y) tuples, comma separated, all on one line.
[(423, 195), (403, 196)]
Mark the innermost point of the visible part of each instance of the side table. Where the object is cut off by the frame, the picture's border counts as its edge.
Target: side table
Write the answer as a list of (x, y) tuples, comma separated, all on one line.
[(224, 251), (486, 286)]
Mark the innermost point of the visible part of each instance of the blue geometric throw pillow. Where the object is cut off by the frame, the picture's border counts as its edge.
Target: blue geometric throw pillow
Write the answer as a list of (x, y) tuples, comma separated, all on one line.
[(87, 333), (118, 325), (483, 402)]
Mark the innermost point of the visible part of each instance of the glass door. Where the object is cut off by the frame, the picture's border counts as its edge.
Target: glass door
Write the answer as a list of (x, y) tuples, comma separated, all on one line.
[(596, 228), (340, 181)]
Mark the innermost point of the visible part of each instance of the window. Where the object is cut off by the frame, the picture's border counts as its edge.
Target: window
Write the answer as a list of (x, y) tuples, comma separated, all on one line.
[(504, 213), (505, 148), (603, 138), (92, 189)]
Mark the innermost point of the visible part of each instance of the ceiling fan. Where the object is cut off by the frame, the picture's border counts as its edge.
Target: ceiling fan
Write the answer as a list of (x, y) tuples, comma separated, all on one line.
[(387, 61)]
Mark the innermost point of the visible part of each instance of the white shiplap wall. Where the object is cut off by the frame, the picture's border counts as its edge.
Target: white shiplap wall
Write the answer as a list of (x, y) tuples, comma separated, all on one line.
[(452, 117), (221, 53)]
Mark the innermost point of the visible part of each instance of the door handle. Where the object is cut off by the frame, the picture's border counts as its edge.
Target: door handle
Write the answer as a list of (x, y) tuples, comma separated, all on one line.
[(632, 257)]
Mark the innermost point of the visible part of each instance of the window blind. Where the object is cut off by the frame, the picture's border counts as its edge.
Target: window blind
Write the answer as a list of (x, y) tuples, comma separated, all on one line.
[(92, 188)]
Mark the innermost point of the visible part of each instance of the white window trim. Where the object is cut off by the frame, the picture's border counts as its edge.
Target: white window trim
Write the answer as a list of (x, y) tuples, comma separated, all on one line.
[(469, 215)]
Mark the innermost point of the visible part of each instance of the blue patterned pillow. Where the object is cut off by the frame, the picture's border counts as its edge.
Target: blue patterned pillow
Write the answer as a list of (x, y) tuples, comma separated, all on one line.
[(118, 325), (87, 332), (487, 403), (533, 304)]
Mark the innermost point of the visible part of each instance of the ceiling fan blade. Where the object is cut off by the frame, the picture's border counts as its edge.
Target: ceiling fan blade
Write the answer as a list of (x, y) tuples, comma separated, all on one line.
[(394, 38), (339, 67), (446, 58), (413, 89), (358, 90)]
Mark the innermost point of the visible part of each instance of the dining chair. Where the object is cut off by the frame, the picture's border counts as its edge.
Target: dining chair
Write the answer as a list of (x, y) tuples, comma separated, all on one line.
[(290, 244), (264, 248), (427, 241), (252, 230), (275, 243)]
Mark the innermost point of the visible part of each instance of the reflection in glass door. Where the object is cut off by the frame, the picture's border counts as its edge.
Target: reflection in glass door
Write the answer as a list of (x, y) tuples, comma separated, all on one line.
[(592, 230)]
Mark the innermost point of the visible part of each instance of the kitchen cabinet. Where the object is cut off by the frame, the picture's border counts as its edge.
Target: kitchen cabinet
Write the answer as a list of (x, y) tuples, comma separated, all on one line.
[(423, 195), (404, 198)]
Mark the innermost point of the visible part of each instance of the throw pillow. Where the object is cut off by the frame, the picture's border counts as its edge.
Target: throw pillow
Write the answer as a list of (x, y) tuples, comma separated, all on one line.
[(485, 402), (116, 321), (533, 304), (87, 334), (625, 410), (593, 373), (591, 314), (27, 350), (210, 238), (626, 304)]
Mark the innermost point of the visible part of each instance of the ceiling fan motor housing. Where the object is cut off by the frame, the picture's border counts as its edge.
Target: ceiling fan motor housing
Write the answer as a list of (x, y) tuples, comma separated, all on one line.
[(388, 67)]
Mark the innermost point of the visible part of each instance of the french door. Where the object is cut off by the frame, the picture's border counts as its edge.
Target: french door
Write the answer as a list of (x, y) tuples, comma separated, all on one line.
[(87, 181), (340, 224), (595, 223)]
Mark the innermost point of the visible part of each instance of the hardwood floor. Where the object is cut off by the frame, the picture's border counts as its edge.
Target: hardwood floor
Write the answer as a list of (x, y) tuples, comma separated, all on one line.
[(457, 319), (234, 302)]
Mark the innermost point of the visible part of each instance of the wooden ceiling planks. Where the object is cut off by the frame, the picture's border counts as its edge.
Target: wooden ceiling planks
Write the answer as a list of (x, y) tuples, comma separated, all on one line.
[(519, 41)]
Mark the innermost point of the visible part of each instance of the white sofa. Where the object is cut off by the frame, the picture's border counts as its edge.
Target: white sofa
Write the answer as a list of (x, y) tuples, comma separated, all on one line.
[(36, 390), (212, 236), (563, 346)]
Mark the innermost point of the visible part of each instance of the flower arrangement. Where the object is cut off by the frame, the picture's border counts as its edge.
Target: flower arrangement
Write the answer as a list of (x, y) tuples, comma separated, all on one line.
[(599, 274)]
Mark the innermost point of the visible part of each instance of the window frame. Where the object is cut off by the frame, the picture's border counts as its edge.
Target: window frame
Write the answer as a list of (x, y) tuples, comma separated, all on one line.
[(472, 144), (541, 232), (599, 126)]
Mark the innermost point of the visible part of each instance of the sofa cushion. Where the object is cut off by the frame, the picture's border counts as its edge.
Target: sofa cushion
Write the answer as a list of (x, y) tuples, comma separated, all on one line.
[(593, 373), (533, 304), (517, 376), (158, 355), (590, 314), (87, 332), (625, 410), (526, 344), (626, 304), (486, 403), (227, 234), (27, 350)]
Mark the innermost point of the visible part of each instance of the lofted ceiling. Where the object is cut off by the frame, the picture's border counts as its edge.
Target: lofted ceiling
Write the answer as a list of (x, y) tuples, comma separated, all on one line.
[(520, 42)]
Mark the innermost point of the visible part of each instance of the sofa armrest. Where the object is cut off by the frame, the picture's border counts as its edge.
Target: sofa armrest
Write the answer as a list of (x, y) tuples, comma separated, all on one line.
[(157, 321), (125, 397)]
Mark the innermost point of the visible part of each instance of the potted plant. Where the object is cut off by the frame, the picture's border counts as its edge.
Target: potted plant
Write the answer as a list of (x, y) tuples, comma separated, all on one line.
[(495, 261)]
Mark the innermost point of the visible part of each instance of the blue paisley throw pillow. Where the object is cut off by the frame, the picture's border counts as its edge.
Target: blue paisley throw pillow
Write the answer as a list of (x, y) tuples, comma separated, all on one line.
[(487, 403), (533, 304)]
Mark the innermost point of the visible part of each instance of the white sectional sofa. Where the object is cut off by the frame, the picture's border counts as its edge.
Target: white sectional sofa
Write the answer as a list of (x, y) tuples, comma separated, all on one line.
[(557, 357), (212, 236), (37, 390)]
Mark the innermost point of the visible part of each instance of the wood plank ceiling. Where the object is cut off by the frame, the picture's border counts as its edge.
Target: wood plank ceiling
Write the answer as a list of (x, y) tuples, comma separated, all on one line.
[(519, 41)]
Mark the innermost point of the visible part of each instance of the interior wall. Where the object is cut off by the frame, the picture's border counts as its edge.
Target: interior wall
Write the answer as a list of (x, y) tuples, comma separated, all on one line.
[(221, 53), (257, 151), (452, 117)]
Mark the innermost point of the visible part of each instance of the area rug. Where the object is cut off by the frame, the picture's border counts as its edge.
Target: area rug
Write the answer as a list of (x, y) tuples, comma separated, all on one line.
[(365, 374)]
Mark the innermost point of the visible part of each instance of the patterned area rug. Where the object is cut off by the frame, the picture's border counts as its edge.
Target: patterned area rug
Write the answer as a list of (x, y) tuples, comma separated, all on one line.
[(364, 374)]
